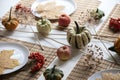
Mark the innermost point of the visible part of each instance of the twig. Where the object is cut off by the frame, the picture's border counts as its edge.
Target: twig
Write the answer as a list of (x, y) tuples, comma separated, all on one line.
[(37, 39), (34, 31), (106, 47), (57, 37), (57, 34), (54, 40), (106, 39), (106, 36), (108, 51)]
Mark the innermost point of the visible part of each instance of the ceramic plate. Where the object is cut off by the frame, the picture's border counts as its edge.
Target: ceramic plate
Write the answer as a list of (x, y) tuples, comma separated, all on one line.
[(21, 53), (70, 6), (99, 74)]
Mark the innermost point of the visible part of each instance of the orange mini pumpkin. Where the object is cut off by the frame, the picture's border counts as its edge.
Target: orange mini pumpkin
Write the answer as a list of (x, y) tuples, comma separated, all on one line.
[(116, 47), (10, 23)]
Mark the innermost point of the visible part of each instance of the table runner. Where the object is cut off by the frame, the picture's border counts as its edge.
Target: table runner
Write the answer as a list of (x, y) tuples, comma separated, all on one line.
[(80, 72), (104, 31), (24, 73), (80, 14)]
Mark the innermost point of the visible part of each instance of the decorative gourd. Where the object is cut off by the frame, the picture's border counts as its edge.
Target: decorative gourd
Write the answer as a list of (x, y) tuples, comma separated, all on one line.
[(44, 26), (10, 23), (78, 37), (53, 74), (97, 15), (116, 47)]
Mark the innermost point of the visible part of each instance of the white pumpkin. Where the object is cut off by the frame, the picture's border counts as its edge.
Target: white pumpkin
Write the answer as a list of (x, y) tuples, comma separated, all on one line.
[(78, 37), (44, 26)]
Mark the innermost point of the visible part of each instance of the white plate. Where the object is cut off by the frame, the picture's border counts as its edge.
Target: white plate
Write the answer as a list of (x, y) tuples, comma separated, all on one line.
[(99, 74), (21, 53), (70, 6)]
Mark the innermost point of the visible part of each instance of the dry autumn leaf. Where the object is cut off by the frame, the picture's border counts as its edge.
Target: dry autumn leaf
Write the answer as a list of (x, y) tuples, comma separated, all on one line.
[(6, 62), (50, 8)]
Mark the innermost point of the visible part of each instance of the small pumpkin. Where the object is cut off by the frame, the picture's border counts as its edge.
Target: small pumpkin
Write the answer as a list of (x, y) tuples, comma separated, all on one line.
[(53, 74), (116, 47), (44, 26), (98, 14), (10, 23), (78, 37)]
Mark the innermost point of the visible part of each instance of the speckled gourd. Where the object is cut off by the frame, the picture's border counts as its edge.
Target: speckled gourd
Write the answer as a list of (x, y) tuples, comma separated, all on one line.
[(98, 14)]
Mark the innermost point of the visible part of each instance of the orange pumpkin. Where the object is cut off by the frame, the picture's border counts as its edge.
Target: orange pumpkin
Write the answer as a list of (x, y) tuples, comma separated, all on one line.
[(117, 45), (10, 23)]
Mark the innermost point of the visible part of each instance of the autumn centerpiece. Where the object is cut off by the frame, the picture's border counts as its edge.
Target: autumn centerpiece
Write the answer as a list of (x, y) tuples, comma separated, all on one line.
[(10, 23), (78, 37)]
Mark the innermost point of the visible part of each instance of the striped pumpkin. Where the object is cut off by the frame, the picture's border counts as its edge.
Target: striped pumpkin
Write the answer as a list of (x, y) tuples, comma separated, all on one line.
[(78, 37)]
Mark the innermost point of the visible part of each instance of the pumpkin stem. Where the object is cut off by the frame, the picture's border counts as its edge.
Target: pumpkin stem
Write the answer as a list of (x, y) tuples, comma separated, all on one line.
[(10, 14), (97, 10), (53, 69), (77, 28), (42, 20), (112, 48)]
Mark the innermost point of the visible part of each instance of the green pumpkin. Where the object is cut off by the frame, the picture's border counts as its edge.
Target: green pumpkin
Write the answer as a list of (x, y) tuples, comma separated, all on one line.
[(44, 26), (98, 14), (53, 74), (78, 37)]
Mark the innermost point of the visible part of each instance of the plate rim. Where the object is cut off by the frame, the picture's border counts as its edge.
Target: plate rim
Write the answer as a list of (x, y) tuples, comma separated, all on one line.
[(75, 7), (107, 70), (22, 65)]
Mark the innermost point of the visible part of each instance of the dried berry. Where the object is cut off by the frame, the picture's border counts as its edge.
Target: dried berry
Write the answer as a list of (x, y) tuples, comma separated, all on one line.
[(22, 9), (39, 59), (36, 67), (114, 24)]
